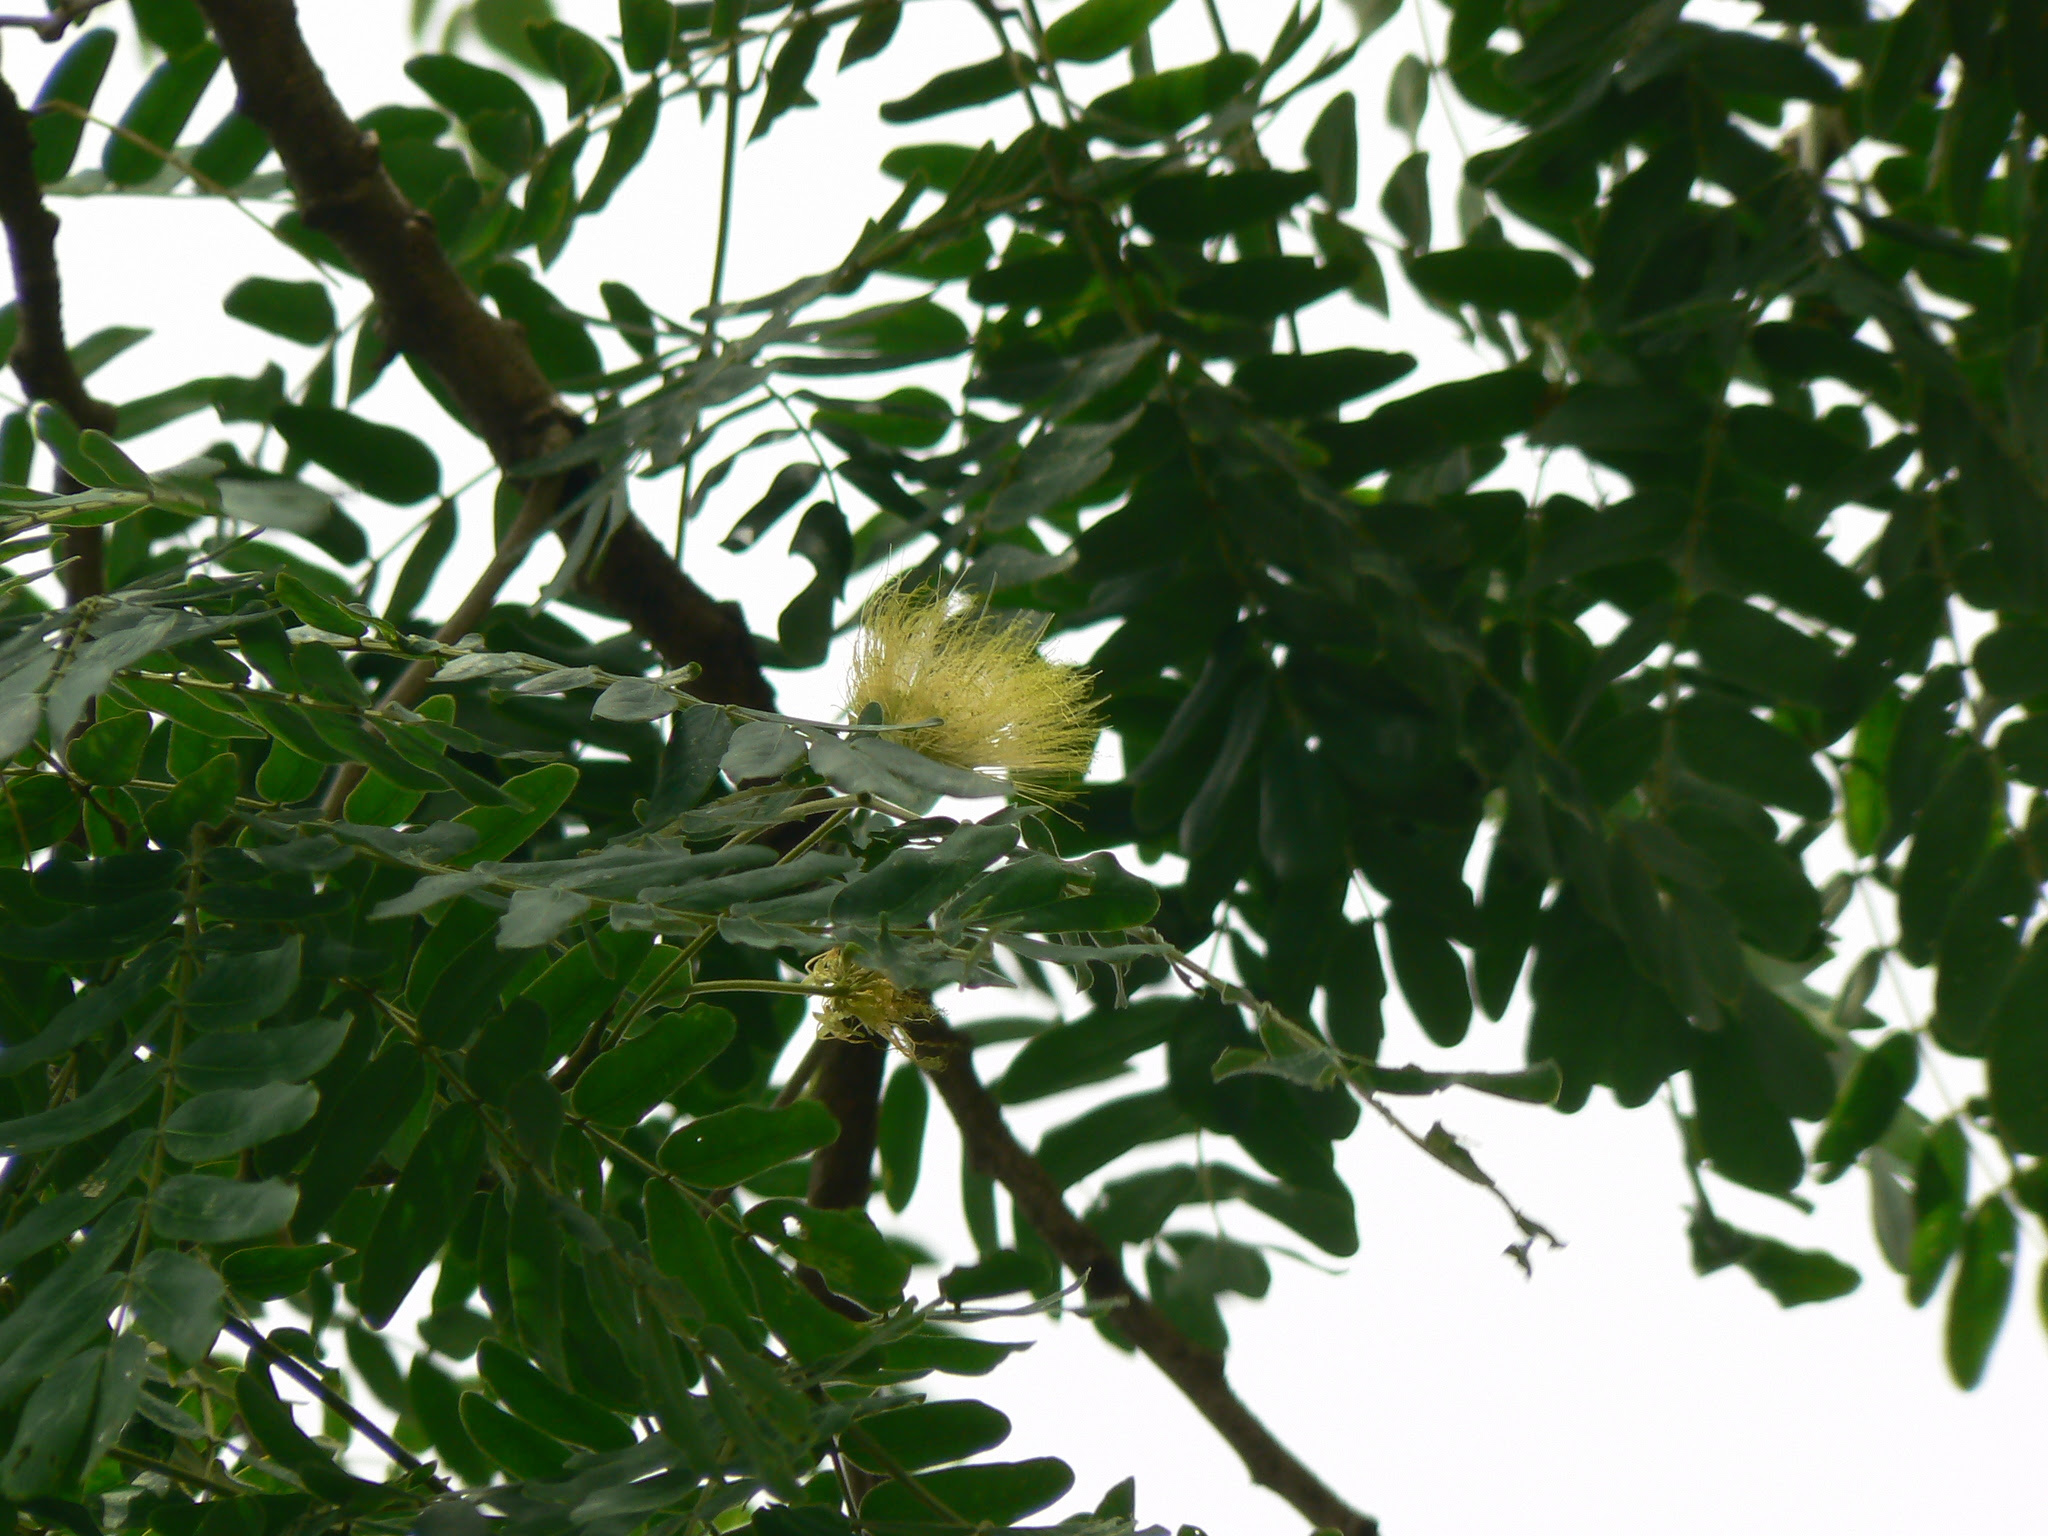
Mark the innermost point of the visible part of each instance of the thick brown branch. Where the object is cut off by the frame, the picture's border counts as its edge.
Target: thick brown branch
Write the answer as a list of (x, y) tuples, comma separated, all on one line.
[(1196, 1371), (41, 360), (848, 1082), (431, 313)]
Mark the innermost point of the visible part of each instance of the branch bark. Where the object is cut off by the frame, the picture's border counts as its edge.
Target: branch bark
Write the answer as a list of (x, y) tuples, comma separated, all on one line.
[(430, 312), (948, 1062), (41, 359)]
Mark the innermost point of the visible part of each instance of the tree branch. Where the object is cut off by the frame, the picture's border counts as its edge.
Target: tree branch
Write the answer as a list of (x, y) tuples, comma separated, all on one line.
[(53, 23), (429, 311), (40, 359), (947, 1061), (329, 1398)]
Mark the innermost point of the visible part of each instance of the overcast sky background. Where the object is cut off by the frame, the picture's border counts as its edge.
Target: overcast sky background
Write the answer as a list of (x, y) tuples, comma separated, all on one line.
[(1426, 1378)]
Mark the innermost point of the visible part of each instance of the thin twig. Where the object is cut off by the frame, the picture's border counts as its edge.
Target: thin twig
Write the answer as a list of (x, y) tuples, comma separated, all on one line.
[(536, 511), (329, 1398), (205, 1480), (53, 25), (946, 1058)]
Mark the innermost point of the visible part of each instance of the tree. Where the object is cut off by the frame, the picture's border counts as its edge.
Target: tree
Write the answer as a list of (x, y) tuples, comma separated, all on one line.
[(351, 959)]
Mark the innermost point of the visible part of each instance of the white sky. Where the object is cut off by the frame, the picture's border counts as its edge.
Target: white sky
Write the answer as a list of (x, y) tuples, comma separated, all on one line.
[(1428, 1381)]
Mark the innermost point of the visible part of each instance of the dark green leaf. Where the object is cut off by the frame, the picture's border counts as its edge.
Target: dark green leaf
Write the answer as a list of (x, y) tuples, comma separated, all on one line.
[(228, 1120), (387, 462), (996, 1492), (1983, 1290), (179, 1300), (1532, 284), (157, 114), (972, 86), (300, 312), (1095, 29), (735, 1144), (929, 1434), (74, 79), (198, 1208), (622, 1085), (429, 1198)]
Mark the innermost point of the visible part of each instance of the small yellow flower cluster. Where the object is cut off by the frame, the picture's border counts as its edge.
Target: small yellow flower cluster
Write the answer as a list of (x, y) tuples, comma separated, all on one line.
[(1000, 706), (864, 1004)]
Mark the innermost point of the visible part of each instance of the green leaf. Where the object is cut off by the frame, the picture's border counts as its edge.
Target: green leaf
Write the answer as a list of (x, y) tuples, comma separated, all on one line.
[(198, 1208), (1745, 1136), (632, 131), (872, 33), (844, 1247), (110, 752), (1724, 742), (483, 96), (899, 1133), (1531, 284), (90, 1010), (550, 1408), (535, 918), (202, 798), (927, 1434), (55, 1219), (684, 1249), (2017, 1060), (1092, 1141), (1317, 383), (282, 1055), (1262, 288), (1431, 975), (973, 86), (1758, 651), (788, 74), (621, 1086), (300, 312), (230, 154), (503, 829), (178, 1299), (1332, 150), (999, 1493), (75, 80), (422, 563), (1983, 1290), (360, 1119), (1868, 1104), (273, 1273), (436, 1403), (1195, 208), (1951, 835), (724, 1149), (1405, 201), (233, 990), (158, 114), (1157, 106), (1089, 1050), (647, 29), (49, 1440), (386, 462), (1761, 885), (519, 1448), (1095, 29), (228, 1120), (429, 1199), (314, 609), (110, 1099)]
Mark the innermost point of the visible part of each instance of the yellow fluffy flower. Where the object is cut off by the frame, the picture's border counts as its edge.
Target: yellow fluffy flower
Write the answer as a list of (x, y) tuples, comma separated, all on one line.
[(864, 1004), (1001, 707)]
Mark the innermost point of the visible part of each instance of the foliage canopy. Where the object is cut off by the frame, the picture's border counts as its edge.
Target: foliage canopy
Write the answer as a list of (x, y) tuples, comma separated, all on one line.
[(353, 963)]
